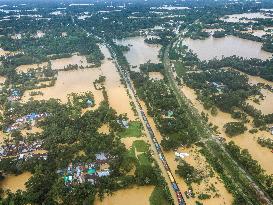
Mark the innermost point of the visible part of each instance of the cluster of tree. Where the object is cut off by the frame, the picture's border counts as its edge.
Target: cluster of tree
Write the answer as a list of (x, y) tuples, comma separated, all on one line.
[(266, 142), (160, 41), (224, 88), (235, 128), (160, 100), (219, 34), (234, 179), (188, 173), (151, 67)]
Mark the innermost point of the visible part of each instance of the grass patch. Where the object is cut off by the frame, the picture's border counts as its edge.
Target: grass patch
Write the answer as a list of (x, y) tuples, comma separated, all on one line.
[(140, 146), (180, 69), (157, 197), (144, 159), (134, 130)]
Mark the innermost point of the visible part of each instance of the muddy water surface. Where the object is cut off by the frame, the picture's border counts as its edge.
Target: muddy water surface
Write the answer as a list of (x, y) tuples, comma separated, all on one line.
[(246, 141), (2, 79), (60, 64), (224, 198), (140, 52), (78, 81), (133, 196), (225, 47), (15, 183), (156, 76), (3, 52), (68, 82), (26, 68)]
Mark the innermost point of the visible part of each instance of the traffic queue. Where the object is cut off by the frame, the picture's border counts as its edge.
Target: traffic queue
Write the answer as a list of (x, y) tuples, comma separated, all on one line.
[(126, 77)]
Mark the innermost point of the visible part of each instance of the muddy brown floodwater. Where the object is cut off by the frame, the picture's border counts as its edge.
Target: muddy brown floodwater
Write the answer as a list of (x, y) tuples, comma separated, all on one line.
[(15, 183), (140, 52), (61, 63), (156, 76), (3, 52), (225, 198), (81, 80), (246, 141), (26, 68), (2, 80), (132, 196), (227, 46)]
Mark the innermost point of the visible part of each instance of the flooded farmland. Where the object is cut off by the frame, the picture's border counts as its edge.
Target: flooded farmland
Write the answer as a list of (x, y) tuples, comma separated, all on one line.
[(79, 81), (60, 64), (140, 52), (245, 141), (225, 47), (68, 82)]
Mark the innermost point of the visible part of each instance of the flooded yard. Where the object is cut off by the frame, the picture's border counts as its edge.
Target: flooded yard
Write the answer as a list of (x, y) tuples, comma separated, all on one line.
[(140, 52), (104, 129), (2, 79), (26, 68), (15, 183), (60, 64), (76, 81), (225, 47), (132, 196), (156, 76)]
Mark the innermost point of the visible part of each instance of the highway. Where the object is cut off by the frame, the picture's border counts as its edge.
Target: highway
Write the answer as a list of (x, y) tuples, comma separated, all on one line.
[(126, 77), (124, 74)]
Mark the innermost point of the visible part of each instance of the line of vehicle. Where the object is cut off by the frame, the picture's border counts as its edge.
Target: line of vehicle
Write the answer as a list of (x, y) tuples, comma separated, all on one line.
[(124, 74)]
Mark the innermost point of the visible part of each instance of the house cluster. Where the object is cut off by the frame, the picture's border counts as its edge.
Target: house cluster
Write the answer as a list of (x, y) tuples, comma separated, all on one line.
[(181, 155), (271, 130), (218, 86), (124, 123), (78, 173), (14, 96), (22, 150), (29, 119)]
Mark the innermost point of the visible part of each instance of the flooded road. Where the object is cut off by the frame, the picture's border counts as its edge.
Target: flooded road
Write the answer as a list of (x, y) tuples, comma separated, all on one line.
[(140, 52), (26, 68), (196, 160), (227, 46)]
